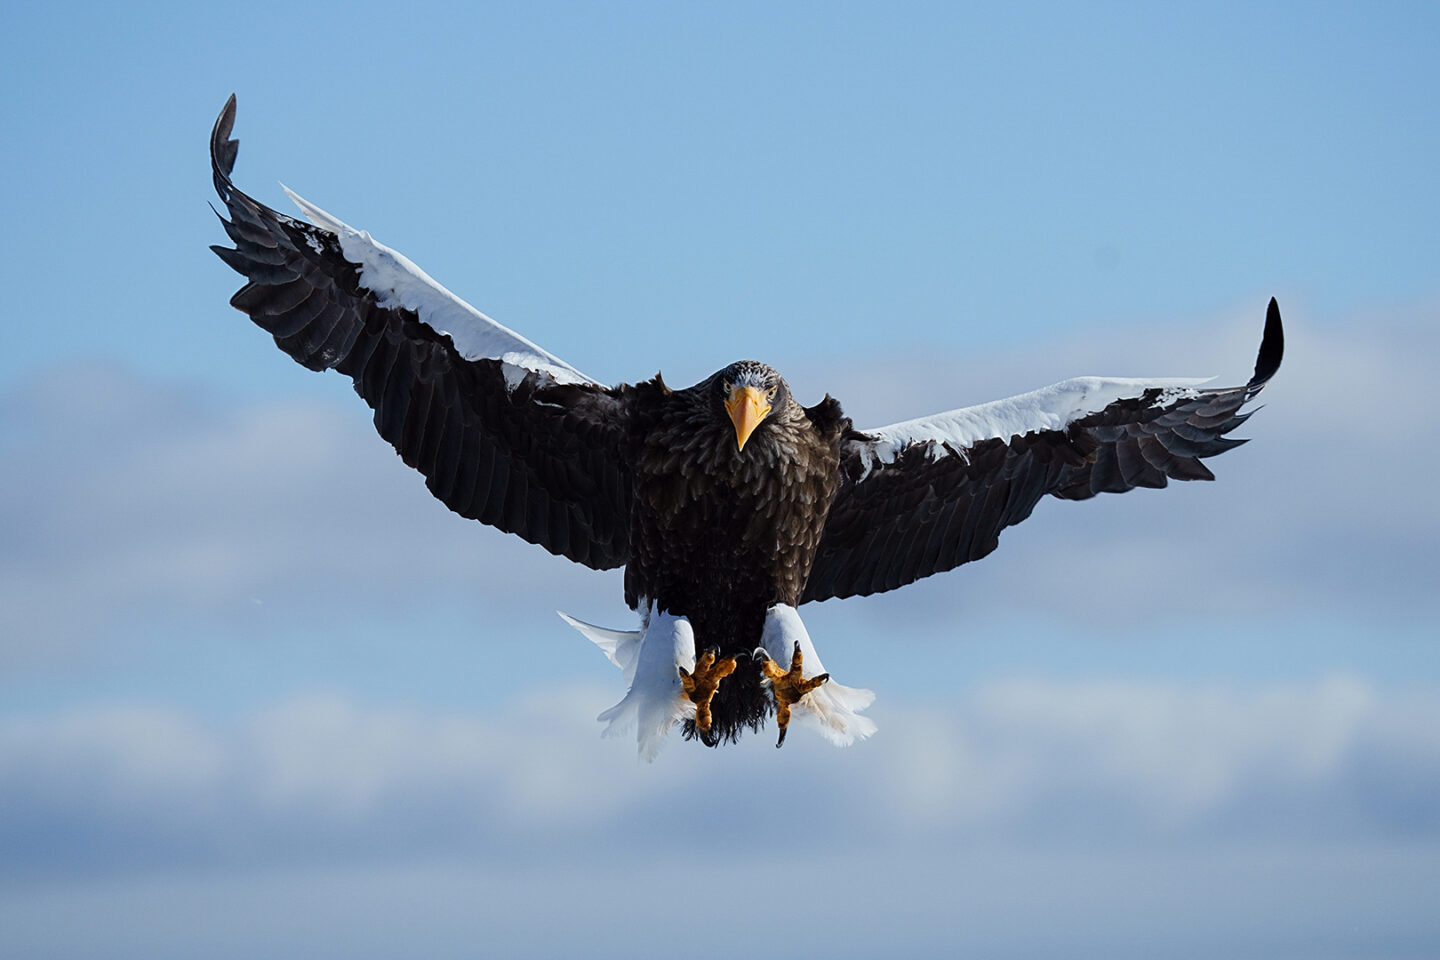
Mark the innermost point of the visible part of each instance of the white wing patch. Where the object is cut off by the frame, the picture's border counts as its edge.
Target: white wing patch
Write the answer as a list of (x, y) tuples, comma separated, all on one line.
[(396, 282), (832, 708), (1049, 408)]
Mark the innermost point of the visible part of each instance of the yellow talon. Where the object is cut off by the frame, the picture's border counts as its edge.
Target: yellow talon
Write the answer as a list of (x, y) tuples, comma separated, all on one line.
[(789, 686), (701, 685)]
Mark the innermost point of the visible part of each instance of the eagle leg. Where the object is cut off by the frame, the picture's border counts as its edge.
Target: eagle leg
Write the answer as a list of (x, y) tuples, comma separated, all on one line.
[(701, 685), (789, 686)]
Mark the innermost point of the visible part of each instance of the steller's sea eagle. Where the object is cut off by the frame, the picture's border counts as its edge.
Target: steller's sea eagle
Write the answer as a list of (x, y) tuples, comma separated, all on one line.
[(728, 503)]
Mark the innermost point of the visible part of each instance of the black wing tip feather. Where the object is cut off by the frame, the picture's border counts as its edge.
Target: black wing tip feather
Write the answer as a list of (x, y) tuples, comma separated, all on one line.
[(1272, 349), (223, 148)]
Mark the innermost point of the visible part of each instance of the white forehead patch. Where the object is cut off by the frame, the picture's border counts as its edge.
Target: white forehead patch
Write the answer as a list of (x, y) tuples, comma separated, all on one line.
[(751, 375)]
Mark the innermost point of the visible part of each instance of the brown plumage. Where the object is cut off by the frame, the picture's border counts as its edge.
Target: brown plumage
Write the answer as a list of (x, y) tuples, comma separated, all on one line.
[(721, 534), (721, 500)]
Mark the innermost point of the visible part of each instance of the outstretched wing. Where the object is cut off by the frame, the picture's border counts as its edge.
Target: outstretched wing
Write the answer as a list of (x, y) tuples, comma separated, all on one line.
[(927, 495), (504, 432)]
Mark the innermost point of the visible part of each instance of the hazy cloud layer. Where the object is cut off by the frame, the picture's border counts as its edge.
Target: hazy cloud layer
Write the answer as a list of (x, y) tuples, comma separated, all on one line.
[(1007, 814), (136, 501), (1320, 513), (140, 503), (1022, 815), (1027, 760)]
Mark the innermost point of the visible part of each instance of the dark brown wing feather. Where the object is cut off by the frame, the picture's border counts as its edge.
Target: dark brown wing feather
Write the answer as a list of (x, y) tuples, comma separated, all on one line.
[(540, 460), (900, 521)]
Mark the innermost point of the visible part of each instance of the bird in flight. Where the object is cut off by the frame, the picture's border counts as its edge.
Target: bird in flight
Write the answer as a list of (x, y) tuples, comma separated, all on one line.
[(728, 503)]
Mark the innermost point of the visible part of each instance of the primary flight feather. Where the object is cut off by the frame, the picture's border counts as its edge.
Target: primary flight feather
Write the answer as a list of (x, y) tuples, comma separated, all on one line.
[(728, 503)]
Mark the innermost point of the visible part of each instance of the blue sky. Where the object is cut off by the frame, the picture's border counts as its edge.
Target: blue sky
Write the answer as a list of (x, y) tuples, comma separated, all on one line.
[(260, 694)]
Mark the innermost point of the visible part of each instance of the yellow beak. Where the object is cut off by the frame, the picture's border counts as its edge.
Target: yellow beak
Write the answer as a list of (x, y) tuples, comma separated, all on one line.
[(747, 406)]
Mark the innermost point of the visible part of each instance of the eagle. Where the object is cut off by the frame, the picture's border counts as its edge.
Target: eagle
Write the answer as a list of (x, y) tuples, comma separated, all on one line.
[(729, 503)]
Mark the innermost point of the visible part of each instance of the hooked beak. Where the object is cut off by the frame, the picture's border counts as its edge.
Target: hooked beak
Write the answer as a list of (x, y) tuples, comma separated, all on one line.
[(747, 406)]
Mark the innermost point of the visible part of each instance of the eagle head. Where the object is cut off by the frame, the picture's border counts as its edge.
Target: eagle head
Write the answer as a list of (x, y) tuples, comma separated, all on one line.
[(749, 391)]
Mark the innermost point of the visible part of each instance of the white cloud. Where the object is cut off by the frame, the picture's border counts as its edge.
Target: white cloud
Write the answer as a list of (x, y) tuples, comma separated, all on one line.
[(1020, 758), (141, 506), (142, 503), (987, 807), (1323, 511), (1020, 807)]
